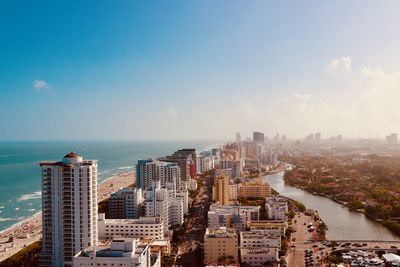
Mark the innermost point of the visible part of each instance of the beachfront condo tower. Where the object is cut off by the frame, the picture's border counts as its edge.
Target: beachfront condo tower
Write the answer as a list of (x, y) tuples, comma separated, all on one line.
[(69, 209)]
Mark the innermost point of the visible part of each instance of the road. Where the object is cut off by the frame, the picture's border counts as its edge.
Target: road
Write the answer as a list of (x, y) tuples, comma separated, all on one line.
[(190, 249), (301, 240), (305, 240)]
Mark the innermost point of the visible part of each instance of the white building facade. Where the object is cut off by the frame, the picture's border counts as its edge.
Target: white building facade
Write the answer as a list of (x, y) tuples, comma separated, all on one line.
[(126, 203), (69, 209), (148, 228), (277, 208), (121, 252)]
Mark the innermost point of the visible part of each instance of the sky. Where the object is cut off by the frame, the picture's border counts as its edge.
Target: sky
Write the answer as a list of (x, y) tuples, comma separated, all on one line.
[(101, 70)]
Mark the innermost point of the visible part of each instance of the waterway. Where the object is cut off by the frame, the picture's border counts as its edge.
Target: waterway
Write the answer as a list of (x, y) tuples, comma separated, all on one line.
[(342, 223)]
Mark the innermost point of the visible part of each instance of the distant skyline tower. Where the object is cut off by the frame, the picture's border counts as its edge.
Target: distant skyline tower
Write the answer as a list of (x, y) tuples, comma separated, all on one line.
[(391, 139), (238, 138), (258, 137), (69, 209), (317, 137)]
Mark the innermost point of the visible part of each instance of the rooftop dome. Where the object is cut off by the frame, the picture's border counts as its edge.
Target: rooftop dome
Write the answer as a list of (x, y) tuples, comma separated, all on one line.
[(72, 158), (72, 155)]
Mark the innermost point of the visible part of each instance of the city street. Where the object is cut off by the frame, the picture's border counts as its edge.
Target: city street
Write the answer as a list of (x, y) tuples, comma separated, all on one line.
[(301, 240), (190, 249)]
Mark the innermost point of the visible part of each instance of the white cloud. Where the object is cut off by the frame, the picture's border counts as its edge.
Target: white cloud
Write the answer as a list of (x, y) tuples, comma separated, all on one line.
[(172, 113), (380, 100), (40, 85), (339, 65), (371, 108)]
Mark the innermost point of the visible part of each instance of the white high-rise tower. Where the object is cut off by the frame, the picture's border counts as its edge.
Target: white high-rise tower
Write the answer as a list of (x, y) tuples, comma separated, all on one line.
[(69, 209)]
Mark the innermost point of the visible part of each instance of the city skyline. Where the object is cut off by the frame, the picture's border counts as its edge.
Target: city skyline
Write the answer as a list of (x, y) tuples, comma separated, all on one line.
[(133, 70)]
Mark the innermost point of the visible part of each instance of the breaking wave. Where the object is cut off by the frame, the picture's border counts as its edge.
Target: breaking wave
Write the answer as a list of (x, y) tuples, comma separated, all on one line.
[(34, 195)]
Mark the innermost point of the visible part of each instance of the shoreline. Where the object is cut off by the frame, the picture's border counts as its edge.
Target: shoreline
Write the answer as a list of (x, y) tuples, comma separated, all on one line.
[(28, 231), (375, 220)]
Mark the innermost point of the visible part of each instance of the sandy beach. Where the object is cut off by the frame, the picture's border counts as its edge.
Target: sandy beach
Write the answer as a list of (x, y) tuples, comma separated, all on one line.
[(27, 232)]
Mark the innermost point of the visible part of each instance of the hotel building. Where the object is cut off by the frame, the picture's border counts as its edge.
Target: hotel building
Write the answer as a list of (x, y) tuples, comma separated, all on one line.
[(149, 171), (257, 247), (221, 190), (69, 209), (124, 252), (277, 208), (220, 244), (144, 227), (254, 190), (232, 216), (126, 203)]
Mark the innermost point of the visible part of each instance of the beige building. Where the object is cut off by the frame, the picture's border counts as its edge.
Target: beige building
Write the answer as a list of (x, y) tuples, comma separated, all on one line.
[(221, 190), (258, 257), (233, 192), (161, 246), (268, 225), (254, 190), (220, 246)]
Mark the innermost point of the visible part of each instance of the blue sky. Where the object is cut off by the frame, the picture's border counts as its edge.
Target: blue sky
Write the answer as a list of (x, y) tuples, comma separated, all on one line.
[(197, 69)]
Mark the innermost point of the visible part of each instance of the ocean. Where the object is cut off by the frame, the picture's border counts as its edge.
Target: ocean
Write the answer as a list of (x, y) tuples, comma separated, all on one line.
[(20, 178)]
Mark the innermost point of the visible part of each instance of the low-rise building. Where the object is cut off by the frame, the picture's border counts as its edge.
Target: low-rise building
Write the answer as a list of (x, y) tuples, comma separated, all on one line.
[(232, 216), (220, 246), (272, 225), (144, 227), (254, 190), (277, 208), (260, 239), (258, 247), (258, 257), (161, 246), (121, 252)]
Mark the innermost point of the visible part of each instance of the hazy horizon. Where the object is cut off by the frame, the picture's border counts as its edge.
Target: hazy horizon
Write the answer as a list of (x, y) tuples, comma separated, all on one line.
[(191, 70)]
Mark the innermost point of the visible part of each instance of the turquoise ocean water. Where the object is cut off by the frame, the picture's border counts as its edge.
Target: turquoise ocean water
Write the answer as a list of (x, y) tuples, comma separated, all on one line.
[(20, 183)]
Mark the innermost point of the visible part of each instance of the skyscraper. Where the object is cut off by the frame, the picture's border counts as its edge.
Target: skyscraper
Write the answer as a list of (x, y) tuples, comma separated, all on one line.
[(126, 203), (149, 171), (221, 190), (258, 137), (391, 139), (69, 209), (238, 138), (317, 137), (186, 160), (140, 172)]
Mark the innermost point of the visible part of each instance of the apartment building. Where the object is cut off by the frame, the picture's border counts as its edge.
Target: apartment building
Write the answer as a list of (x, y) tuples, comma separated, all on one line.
[(232, 216), (69, 209), (126, 203), (277, 208), (125, 252), (254, 190), (220, 246), (144, 227)]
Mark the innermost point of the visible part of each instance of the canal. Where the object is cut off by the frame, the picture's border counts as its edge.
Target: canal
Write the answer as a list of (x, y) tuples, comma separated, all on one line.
[(342, 223)]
